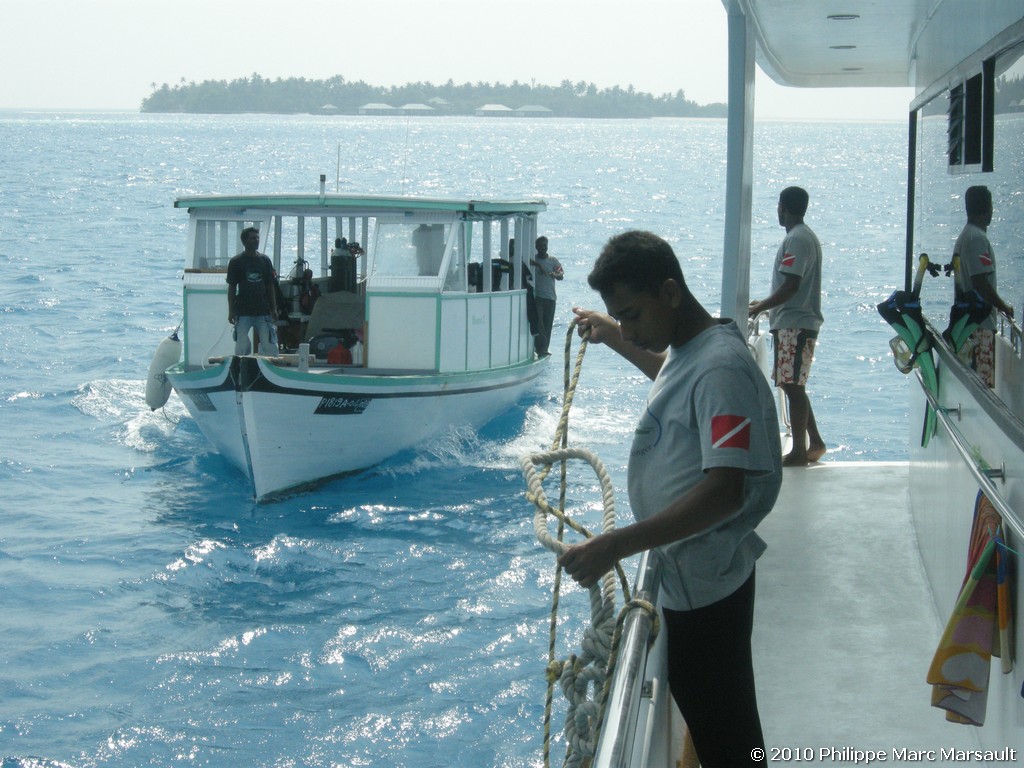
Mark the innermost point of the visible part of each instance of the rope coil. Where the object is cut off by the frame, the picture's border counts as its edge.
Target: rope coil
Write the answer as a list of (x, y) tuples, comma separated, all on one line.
[(585, 678)]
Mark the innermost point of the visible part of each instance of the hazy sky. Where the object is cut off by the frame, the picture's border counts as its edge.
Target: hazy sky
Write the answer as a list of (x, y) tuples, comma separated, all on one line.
[(105, 54)]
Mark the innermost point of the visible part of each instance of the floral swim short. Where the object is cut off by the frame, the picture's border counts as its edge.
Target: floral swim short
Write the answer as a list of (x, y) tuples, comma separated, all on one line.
[(794, 351), (983, 359)]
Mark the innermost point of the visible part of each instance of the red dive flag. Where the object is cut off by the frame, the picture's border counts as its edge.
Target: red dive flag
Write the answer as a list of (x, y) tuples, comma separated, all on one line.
[(730, 432), (985, 259), (788, 260)]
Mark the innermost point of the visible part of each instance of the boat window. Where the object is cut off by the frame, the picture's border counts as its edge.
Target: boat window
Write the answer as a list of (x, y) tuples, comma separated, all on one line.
[(409, 250), (455, 276), (306, 243), (1009, 73), (1007, 179), (492, 251), (216, 241), (969, 126), (939, 187)]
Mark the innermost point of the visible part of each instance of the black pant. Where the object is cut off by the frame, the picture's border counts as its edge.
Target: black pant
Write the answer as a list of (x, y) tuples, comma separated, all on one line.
[(546, 320), (711, 676)]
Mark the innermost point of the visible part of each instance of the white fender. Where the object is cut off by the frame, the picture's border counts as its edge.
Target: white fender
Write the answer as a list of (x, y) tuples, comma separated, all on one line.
[(158, 388)]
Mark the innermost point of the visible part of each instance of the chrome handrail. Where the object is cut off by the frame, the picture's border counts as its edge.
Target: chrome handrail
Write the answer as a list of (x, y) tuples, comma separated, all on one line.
[(1015, 333), (781, 401), (982, 474), (615, 744), (754, 325)]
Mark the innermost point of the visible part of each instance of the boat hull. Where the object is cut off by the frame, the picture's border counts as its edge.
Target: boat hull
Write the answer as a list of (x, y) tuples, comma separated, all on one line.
[(211, 396), (286, 429), (943, 490)]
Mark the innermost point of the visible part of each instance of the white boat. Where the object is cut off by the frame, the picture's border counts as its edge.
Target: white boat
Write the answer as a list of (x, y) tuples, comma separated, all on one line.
[(848, 620), (426, 338)]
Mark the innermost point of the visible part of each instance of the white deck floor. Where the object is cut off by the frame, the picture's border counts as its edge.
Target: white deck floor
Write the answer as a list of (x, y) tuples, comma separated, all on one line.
[(845, 626)]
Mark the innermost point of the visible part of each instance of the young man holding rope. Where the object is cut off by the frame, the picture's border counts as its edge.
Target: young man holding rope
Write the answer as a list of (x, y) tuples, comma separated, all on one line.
[(705, 468)]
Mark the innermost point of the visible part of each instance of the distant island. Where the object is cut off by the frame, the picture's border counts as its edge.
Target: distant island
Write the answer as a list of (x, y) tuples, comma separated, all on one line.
[(338, 96)]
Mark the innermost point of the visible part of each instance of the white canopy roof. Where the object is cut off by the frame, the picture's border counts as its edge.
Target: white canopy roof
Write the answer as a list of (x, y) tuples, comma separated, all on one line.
[(816, 43)]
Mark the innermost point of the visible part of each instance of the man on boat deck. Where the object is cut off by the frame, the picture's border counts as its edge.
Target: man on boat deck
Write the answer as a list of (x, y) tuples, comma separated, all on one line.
[(532, 318), (794, 316), (252, 303), (975, 263), (704, 469), (549, 269)]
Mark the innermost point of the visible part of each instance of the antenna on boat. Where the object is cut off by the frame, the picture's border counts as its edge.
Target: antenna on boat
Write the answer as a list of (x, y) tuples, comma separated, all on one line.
[(405, 160)]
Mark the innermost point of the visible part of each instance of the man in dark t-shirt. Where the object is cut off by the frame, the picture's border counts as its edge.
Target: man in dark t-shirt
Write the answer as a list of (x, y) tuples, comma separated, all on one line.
[(252, 303)]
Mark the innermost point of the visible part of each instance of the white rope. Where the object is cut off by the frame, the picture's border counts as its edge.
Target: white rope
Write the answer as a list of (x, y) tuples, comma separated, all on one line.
[(583, 677), (536, 496)]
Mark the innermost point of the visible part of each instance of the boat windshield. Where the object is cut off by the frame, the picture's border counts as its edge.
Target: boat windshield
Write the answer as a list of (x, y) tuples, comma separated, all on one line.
[(415, 254), (406, 250)]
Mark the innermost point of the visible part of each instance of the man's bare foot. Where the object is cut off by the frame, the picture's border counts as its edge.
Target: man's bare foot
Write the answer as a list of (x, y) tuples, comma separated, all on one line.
[(815, 452), (793, 460)]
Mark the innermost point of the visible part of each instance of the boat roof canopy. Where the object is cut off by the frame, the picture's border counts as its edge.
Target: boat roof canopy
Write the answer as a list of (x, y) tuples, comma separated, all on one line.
[(870, 43), (315, 204)]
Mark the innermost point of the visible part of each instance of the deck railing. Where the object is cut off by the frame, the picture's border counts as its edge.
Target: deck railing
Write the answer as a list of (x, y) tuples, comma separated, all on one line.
[(1008, 328), (983, 474), (948, 418), (761, 350), (616, 742)]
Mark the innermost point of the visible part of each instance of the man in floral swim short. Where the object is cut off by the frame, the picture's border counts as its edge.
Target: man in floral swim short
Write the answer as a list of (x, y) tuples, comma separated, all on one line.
[(794, 314), (976, 272)]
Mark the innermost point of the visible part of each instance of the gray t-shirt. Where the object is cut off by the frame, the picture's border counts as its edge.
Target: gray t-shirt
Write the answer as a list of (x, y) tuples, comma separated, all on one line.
[(543, 282), (976, 257), (800, 255), (710, 406)]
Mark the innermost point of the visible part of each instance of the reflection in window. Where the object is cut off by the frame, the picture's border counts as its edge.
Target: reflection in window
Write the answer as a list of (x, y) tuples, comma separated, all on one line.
[(1010, 81), (1007, 182), (940, 181)]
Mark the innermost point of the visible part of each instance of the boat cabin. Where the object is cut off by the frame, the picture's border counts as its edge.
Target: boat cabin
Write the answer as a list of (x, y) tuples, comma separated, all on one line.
[(413, 284)]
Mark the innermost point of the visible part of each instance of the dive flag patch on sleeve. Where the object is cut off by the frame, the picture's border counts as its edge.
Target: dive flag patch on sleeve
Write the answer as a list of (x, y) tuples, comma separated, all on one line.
[(985, 259), (788, 259), (730, 432)]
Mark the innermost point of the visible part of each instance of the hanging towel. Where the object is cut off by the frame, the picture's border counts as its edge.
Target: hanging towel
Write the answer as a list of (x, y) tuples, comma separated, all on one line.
[(980, 626)]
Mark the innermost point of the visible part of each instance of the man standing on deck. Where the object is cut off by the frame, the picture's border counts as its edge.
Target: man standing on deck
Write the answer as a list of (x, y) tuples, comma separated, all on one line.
[(705, 468), (794, 315), (975, 267), (549, 269), (252, 300)]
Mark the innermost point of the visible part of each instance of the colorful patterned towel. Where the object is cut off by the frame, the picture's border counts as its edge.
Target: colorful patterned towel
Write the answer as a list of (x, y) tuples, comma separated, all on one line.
[(980, 626)]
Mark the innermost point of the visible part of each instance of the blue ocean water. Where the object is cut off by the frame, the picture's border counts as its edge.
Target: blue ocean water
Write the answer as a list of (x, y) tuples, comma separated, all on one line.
[(151, 615)]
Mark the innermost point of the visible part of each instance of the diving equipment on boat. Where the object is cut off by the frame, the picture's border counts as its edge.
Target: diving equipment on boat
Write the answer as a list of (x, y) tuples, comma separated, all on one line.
[(913, 345), (966, 314), (969, 310)]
